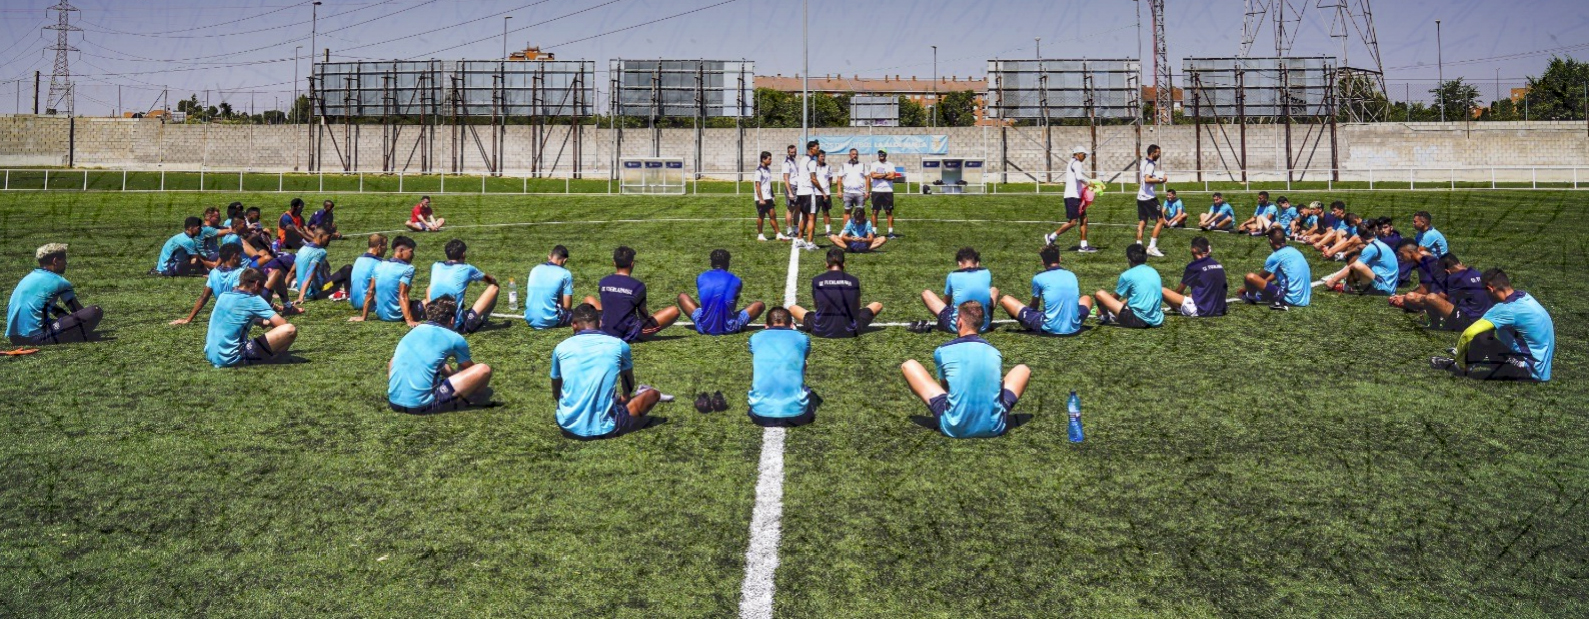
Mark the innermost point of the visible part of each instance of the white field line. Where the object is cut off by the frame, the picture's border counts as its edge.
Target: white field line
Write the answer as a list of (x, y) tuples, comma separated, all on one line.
[(718, 219)]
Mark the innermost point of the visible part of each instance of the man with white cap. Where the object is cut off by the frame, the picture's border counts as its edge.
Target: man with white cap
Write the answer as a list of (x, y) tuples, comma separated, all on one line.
[(1076, 180), (43, 308)]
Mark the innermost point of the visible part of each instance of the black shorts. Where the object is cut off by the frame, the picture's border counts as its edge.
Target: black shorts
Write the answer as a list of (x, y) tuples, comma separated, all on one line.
[(1148, 210), (1458, 321), (256, 350), (823, 203), (1130, 320), (623, 423), (792, 203), (883, 201), (863, 319), (1033, 320), (470, 321), (796, 421), (763, 209), (1073, 209), (443, 398)]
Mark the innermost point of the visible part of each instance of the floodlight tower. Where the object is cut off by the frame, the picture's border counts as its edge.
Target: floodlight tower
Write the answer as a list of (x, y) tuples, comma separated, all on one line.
[(61, 76), (1163, 85)]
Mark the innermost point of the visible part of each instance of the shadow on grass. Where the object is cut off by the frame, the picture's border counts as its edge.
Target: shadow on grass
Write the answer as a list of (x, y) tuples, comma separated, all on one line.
[(931, 423)]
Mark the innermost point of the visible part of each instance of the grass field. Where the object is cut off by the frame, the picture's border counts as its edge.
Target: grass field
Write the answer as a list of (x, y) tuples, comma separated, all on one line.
[(1270, 464)]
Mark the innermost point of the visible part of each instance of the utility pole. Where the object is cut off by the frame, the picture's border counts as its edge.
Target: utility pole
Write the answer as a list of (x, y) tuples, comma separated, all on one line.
[(36, 93), (295, 80), (1440, 61), (314, 30), (934, 86), (61, 75), (1038, 43), (505, 19), (805, 73)]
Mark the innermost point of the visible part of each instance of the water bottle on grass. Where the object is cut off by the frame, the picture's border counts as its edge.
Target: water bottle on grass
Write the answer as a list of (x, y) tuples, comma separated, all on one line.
[(1074, 405), (513, 295)]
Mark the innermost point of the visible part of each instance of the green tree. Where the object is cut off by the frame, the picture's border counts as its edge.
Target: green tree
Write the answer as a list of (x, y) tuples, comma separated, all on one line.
[(300, 109), (1456, 96), (1503, 109), (1558, 94), (958, 109), (911, 113), (190, 106), (226, 110)]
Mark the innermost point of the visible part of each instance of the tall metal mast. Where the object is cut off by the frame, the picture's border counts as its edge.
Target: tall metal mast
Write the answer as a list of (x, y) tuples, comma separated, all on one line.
[(61, 76), (1163, 85)]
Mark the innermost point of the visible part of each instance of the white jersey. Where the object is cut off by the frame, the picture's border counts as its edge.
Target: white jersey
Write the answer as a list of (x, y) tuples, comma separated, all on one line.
[(1148, 168), (807, 167), (853, 175), (1075, 179), (763, 184), (791, 174), (882, 185), (825, 179)]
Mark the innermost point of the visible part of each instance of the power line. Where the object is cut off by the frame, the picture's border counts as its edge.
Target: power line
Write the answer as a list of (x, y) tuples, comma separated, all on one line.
[(641, 25), (493, 37), (168, 35), (1515, 56)]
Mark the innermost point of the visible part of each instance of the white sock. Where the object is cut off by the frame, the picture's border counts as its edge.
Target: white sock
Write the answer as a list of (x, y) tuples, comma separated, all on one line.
[(1084, 242), (1153, 243), (890, 229)]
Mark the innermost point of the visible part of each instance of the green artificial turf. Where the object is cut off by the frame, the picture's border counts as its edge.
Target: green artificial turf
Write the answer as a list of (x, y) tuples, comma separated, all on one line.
[(1264, 463)]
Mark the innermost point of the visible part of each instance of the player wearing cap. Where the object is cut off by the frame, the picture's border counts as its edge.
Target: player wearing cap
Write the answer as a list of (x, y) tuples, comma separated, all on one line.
[(1138, 299), (452, 279), (1514, 340), (719, 290), (236, 312), (764, 201), (44, 309), (858, 235), (549, 291), (420, 378), (1150, 174), (182, 254), (883, 176), (967, 398), (588, 370), (221, 280), (853, 182), (1206, 279), (364, 270), (837, 311), (1285, 280), (623, 302), (778, 396), (391, 286), (1220, 215), (423, 219), (969, 282), (1057, 306), (1076, 180)]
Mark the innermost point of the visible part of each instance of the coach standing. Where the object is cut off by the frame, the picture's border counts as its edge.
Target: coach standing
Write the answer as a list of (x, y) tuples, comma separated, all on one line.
[(1148, 208), (883, 176)]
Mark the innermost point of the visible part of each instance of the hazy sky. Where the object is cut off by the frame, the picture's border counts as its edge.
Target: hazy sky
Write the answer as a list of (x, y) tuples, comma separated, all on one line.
[(247, 45)]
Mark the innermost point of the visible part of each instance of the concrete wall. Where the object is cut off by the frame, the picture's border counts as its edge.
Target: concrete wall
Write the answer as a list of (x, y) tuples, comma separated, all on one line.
[(1426, 150)]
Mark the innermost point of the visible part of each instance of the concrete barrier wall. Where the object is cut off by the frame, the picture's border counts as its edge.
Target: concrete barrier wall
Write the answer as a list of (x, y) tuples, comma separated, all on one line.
[(1427, 151)]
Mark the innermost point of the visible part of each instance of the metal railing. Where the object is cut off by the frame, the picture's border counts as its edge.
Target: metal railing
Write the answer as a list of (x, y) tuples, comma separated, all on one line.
[(721, 182)]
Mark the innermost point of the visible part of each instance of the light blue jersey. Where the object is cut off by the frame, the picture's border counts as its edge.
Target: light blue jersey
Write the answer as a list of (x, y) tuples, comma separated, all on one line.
[(1523, 325), (970, 284), (1433, 241), (222, 280), (1266, 210), (174, 248), (1225, 212), (589, 365), (1142, 290), (1292, 275), (544, 290), (416, 365), (208, 238), (1061, 295), (388, 300), (359, 278), (1172, 208), (234, 315), (858, 231), (1381, 259), (974, 370), (452, 279), (311, 266), (27, 312), (778, 365), (1287, 216)]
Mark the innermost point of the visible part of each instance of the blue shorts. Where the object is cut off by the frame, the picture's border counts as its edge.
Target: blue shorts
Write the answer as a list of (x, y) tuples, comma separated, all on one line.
[(1271, 293), (623, 423), (469, 321), (256, 350), (443, 397), (859, 247), (734, 324), (940, 404), (1033, 320)]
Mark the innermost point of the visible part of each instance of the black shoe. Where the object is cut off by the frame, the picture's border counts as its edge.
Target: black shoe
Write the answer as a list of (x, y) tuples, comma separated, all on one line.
[(703, 403), (1279, 306), (719, 403)]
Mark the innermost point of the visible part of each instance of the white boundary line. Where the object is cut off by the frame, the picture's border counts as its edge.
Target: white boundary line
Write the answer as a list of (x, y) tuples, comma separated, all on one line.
[(721, 219)]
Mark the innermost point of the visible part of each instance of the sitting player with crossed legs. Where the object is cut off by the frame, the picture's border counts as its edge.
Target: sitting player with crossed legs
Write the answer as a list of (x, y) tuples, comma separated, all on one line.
[(967, 397)]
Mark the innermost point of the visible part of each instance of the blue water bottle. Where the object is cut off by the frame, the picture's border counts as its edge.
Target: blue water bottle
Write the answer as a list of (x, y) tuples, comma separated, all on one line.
[(1074, 404)]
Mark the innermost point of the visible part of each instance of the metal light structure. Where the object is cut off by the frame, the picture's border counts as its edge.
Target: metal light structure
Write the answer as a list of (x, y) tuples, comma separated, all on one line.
[(505, 19), (1440, 61), (61, 75), (1163, 83)]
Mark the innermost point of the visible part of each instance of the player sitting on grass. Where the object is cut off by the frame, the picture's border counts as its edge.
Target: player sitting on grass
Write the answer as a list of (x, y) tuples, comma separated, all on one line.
[(1174, 210), (967, 398), (1288, 214), (970, 282), (1076, 183), (232, 231), (1374, 270), (227, 343), (452, 279), (210, 234), (290, 227), (1140, 290), (586, 371), (1206, 278), (1307, 225), (316, 280), (222, 279), (778, 395), (623, 303), (1412, 259), (764, 201), (1220, 216), (549, 292), (388, 293), (858, 235), (182, 254), (719, 290), (325, 219), (1346, 240), (1430, 239), (837, 296), (1286, 279), (1461, 300), (419, 379), (1263, 216), (1514, 340), (423, 219), (364, 270), (32, 314), (1056, 291)]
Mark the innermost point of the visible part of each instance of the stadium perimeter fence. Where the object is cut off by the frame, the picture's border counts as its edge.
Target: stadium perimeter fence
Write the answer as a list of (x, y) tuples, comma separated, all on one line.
[(714, 182)]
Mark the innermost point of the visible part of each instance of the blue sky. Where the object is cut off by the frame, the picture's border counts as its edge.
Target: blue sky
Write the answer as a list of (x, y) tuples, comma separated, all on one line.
[(243, 46)]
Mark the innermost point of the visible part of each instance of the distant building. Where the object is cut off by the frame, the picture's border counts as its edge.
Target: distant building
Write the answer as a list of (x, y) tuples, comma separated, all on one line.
[(922, 92), (1518, 94), (1177, 96), (532, 53)]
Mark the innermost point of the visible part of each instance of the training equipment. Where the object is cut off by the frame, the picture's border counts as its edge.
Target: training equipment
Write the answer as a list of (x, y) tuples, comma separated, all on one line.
[(652, 175), (1073, 405), (953, 175)]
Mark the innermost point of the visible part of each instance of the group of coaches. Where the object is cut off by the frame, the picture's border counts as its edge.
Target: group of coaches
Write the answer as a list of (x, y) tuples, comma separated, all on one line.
[(808, 182)]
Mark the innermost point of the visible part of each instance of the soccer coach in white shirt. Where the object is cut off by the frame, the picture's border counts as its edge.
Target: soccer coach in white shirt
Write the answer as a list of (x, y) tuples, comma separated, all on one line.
[(1148, 208), (852, 177), (883, 175), (1075, 213)]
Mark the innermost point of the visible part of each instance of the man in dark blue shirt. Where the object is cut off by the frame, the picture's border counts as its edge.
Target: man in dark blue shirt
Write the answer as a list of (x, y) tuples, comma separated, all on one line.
[(1460, 301), (719, 290), (623, 303), (1206, 277), (837, 295), (325, 219)]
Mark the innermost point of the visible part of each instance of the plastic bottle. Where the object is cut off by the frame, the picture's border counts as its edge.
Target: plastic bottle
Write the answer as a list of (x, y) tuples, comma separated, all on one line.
[(1074, 405), (513, 295)]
